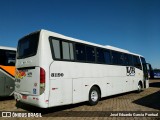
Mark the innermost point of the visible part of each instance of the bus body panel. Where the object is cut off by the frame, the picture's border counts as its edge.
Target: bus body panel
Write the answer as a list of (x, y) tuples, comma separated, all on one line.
[(147, 83), (27, 75), (60, 92), (27, 81), (42, 59), (38, 101), (111, 80)]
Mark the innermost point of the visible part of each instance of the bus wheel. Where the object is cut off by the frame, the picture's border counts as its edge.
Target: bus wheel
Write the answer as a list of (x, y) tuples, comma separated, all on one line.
[(94, 95), (139, 88)]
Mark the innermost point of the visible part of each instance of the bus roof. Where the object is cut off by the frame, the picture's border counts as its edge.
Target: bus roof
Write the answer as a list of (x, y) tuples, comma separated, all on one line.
[(7, 48), (54, 34)]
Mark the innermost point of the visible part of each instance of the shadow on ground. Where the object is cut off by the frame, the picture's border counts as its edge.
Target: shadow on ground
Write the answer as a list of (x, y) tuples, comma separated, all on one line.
[(6, 98), (47, 111), (154, 84), (151, 101)]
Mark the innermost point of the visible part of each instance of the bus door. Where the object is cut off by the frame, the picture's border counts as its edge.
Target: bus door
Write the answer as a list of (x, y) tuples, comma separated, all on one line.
[(146, 76), (9, 85), (146, 67)]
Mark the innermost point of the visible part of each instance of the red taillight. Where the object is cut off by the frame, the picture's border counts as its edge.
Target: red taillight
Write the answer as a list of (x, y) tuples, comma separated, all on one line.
[(42, 75), (42, 80)]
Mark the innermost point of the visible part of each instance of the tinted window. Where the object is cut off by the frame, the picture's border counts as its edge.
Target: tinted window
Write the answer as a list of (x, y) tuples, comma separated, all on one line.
[(136, 62), (107, 57), (56, 48), (90, 54), (143, 60), (117, 58), (100, 55), (128, 61), (80, 52), (7, 57), (27, 46), (2, 57), (10, 58), (156, 71)]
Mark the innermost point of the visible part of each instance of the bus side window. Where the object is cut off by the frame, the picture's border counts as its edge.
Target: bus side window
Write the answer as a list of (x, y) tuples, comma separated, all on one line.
[(90, 54), (128, 60), (107, 57), (2, 57), (56, 48), (136, 62), (117, 58), (80, 52), (67, 51), (71, 51), (100, 55)]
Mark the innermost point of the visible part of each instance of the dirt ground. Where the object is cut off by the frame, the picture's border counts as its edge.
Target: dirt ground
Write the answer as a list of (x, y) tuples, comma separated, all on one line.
[(147, 100)]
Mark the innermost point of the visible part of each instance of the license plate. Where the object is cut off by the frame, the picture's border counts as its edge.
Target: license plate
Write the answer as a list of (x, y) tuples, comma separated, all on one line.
[(24, 97)]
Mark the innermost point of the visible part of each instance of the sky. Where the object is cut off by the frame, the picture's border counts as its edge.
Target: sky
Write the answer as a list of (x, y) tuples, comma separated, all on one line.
[(133, 25)]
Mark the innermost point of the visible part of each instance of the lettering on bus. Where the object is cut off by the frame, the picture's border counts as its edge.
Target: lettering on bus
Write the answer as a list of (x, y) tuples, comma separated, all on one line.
[(57, 74), (130, 71)]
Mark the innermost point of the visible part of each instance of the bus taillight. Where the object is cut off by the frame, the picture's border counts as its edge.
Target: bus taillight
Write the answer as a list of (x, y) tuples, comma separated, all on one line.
[(42, 75), (42, 80)]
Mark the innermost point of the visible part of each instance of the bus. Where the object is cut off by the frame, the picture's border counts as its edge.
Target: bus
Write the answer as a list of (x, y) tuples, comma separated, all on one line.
[(7, 70), (54, 70)]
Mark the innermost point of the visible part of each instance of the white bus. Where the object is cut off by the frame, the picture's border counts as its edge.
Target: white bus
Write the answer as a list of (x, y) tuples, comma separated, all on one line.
[(54, 70), (7, 70)]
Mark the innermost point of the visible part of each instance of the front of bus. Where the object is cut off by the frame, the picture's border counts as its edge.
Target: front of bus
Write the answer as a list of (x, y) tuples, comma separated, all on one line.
[(30, 75)]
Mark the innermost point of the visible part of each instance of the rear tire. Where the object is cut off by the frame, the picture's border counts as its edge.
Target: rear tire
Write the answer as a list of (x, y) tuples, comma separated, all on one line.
[(94, 96)]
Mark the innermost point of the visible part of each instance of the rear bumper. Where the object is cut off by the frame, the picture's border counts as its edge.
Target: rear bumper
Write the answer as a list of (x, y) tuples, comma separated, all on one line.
[(38, 101)]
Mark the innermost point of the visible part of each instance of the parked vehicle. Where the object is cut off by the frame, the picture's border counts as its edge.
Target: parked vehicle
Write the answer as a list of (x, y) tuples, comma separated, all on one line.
[(7, 70), (53, 70)]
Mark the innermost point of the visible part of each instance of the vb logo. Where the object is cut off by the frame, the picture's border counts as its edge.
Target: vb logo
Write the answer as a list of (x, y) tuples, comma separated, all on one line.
[(130, 71)]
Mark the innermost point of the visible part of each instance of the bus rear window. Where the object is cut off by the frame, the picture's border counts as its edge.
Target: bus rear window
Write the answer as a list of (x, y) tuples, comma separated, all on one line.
[(27, 46)]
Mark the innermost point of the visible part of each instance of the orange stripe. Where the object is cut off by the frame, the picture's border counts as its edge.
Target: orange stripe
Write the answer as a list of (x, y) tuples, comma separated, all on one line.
[(9, 69)]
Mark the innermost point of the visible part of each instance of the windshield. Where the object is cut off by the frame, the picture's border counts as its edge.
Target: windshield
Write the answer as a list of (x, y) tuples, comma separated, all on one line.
[(27, 46), (143, 60)]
